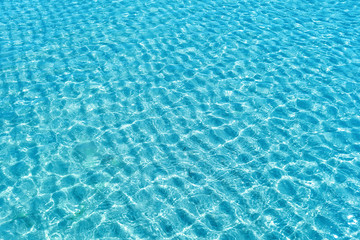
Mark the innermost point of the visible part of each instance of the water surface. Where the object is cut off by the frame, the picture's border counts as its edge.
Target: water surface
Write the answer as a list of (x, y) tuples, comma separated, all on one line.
[(175, 119)]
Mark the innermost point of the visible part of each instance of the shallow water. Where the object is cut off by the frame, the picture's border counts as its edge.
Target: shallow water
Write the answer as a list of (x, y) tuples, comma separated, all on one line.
[(179, 119)]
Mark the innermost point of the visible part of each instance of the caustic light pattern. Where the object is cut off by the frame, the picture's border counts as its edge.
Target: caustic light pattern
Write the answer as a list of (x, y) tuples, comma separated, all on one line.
[(159, 119)]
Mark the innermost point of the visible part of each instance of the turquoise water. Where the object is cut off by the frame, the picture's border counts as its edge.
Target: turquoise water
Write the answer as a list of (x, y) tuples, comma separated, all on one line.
[(161, 119)]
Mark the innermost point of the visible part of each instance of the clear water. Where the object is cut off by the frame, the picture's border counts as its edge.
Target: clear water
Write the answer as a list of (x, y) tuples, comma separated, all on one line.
[(169, 119)]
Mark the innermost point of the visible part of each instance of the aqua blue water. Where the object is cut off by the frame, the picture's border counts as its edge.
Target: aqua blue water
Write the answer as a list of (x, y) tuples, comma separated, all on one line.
[(179, 119)]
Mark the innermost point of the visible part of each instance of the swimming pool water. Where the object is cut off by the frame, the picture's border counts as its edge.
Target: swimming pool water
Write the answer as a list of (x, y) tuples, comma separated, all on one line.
[(181, 119)]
